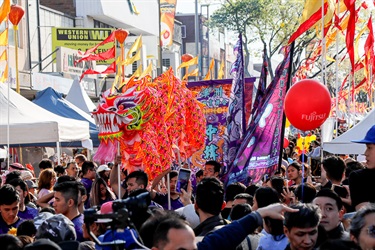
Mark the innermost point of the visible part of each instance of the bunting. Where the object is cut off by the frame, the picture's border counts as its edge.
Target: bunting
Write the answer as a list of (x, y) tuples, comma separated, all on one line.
[(221, 73), (4, 10), (4, 56), (109, 54), (4, 38), (209, 72), (135, 47), (306, 25), (110, 38), (350, 31), (111, 69)]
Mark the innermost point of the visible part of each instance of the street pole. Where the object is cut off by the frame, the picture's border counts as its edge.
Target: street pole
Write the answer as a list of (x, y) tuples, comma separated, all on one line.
[(197, 38), (159, 70)]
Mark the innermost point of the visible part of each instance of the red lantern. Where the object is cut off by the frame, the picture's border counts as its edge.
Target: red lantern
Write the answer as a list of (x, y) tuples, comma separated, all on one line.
[(16, 13), (307, 104), (286, 142), (121, 35), (186, 57)]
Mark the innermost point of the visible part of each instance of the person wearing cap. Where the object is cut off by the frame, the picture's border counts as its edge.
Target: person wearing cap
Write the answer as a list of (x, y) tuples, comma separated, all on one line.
[(361, 182), (103, 171), (332, 212), (98, 227)]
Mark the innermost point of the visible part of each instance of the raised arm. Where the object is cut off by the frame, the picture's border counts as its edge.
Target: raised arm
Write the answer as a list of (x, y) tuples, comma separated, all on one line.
[(113, 178)]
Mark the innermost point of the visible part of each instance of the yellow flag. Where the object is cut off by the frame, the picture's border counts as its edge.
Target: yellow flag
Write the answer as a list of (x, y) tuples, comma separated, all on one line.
[(136, 57), (193, 73), (4, 38), (221, 70), (3, 56), (189, 63), (208, 75), (135, 47), (147, 71), (138, 72), (312, 6), (4, 10), (4, 76)]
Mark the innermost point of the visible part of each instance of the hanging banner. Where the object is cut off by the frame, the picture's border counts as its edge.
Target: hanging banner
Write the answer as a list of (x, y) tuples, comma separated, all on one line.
[(215, 95), (167, 12)]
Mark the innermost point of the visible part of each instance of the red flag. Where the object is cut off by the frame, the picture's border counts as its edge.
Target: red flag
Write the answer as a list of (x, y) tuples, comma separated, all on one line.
[(101, 56), (369, 46), (350, 32), (308, 23), (111, 69), (110, 38)]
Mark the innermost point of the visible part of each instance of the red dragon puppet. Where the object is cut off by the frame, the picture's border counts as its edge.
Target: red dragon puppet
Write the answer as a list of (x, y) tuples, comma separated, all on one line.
[(145, 120)]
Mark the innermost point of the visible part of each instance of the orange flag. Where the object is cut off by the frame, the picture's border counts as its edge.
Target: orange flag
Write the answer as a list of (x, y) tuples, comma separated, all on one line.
[(4, 10)]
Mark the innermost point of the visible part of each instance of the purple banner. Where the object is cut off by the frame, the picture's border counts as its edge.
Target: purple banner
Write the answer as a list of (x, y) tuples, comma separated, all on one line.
[(215, 95), (236, 124), (259, 152)]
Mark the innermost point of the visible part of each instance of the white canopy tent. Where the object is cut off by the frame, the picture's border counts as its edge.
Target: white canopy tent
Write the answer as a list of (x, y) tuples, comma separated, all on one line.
[(29, 123), (78, 96), (343, 144)]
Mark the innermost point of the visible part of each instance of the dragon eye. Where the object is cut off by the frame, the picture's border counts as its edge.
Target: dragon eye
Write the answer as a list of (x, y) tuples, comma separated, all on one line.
[(121, 107)]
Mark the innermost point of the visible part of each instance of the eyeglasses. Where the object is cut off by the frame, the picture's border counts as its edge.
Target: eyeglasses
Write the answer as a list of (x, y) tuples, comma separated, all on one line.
[(371, 231)]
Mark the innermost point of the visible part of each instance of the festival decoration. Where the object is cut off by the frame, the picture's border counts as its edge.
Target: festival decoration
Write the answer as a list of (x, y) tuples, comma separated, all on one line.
[(286, 143), (186, 57), (15, 16), (145, 119), (307, 104)]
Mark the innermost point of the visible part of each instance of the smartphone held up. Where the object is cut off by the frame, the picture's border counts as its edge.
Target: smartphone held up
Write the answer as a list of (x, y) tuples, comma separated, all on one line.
[(183, 179)]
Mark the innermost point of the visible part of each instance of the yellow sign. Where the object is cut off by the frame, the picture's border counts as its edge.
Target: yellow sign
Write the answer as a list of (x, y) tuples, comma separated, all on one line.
[(82, 39)]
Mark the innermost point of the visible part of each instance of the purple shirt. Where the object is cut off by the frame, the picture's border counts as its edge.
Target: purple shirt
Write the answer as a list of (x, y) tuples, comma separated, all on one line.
[(78, 222), (4, 227), (163, 201), (87, 183), (28, 214)]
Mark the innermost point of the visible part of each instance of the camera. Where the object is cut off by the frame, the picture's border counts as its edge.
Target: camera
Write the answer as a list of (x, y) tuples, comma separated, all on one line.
[(122, 233)]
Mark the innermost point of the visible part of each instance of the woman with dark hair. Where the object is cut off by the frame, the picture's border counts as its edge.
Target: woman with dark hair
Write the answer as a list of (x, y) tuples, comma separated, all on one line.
[(273, 232), (362, 228), (100, 193), (294, 174)]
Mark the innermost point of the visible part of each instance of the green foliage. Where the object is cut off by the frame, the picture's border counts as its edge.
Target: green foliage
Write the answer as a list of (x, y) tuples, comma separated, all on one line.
[(270, 21)]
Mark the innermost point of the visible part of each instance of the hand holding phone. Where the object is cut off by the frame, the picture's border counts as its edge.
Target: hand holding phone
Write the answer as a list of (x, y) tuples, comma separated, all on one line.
[(183, 180), (340, 190)]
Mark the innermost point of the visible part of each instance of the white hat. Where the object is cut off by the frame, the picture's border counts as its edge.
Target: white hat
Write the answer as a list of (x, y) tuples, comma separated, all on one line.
[(103, 168)]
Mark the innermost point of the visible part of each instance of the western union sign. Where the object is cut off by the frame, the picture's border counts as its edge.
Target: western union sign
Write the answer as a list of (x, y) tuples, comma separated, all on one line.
[(81, 39)]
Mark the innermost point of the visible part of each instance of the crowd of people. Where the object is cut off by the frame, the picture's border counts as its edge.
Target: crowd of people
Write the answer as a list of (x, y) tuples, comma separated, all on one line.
[(326, 204)]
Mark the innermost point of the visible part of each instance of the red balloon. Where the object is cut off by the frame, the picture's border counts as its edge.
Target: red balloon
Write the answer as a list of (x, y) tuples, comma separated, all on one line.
[(286, 142), (307, 104)]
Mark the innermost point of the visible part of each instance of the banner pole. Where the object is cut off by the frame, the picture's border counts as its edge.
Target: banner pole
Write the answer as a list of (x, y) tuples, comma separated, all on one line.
[(288, 84)]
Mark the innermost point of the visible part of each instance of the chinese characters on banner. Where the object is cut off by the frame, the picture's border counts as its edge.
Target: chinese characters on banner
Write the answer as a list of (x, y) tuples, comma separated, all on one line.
[(215, 95)]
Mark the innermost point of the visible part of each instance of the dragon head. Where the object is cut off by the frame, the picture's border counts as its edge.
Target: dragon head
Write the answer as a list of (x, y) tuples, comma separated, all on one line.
[(118, 112)]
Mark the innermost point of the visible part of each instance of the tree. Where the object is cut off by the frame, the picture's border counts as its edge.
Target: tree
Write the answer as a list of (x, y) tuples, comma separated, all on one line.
[(270, 21), (236, 16)]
